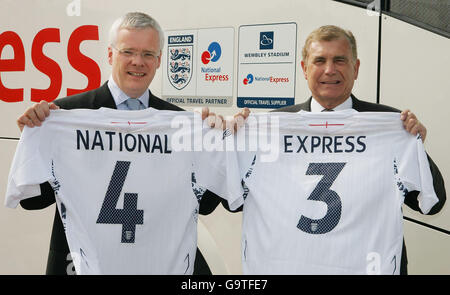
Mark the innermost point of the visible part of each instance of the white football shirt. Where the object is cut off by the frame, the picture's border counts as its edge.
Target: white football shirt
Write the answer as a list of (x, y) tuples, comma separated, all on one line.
[(324, 191), (127, 184)]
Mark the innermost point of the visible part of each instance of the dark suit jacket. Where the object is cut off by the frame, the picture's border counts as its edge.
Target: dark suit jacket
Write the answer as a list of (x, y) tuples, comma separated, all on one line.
[(411, 199), (58, 260)]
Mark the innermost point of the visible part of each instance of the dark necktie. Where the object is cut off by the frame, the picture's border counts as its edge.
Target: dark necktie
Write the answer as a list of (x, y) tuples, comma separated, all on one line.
[(327, 110)]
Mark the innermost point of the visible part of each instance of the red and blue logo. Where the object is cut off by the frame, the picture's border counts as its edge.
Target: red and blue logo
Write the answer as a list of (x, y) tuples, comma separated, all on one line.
[(213, 54), (249, 79)]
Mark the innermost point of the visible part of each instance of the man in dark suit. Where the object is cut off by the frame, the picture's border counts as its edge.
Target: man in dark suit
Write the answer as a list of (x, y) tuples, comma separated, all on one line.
[(330, 66), (136, 42)]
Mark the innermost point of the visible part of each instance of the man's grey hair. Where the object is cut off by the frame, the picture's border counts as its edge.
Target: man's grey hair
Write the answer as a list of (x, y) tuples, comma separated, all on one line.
[(135, 20), (330, 33)]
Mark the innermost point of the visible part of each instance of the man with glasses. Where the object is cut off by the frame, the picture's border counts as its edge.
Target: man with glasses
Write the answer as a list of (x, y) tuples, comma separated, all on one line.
[(136, 42)]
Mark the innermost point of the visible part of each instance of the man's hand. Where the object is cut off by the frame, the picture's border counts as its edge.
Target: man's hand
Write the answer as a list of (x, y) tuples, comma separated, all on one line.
[(213, 120), (217, 121), (239, 119), (35, 115), (412, 124)]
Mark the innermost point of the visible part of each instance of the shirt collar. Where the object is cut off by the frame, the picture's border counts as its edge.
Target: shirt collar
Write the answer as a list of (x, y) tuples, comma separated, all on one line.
[(316, 107), (120, 96)]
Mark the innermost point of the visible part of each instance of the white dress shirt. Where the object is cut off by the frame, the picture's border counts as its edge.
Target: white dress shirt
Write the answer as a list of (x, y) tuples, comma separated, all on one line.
[(120, 97), (316, 107)]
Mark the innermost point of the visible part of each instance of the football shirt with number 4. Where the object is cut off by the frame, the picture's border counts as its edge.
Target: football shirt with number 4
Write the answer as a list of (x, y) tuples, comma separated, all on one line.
[(127, 184)]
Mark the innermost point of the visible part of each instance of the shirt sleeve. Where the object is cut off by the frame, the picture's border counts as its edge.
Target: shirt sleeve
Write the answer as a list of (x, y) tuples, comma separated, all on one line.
[(217, 167), (30, 166), (413, 174)]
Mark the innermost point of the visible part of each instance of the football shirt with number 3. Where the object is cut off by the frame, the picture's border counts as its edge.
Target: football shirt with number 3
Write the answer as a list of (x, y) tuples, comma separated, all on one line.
[(324, 192)]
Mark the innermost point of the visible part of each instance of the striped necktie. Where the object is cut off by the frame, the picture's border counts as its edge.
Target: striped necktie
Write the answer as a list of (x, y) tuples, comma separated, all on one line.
[(327, 110), (134, 104)]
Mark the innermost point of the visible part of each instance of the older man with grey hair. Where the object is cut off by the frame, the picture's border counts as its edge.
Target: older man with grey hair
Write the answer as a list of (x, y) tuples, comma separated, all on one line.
[(330, 65)]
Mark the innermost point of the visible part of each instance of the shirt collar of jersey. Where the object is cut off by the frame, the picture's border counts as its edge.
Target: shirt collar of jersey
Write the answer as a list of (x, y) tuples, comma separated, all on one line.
[(120, 97), (317, 108)]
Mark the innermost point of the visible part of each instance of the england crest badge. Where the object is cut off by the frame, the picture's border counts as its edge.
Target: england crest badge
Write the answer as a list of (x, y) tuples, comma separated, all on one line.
[(180, 60)]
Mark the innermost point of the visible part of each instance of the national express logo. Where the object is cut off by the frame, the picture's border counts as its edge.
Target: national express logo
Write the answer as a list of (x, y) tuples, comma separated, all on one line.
[(248, 79), (180, 60), (213, 72), (271, 79), (212, 54)]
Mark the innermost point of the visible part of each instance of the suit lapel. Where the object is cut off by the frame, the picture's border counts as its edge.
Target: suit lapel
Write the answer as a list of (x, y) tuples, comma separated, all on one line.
[(306, 106), (356, 104), (104, 98), (153, 102)]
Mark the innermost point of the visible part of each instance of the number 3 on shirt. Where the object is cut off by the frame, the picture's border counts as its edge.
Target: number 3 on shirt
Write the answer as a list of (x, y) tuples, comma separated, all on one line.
[(129, 216), (322, 193)]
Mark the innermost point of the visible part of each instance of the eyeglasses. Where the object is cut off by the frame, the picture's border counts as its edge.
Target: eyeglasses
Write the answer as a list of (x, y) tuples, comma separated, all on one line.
[(129, 53)]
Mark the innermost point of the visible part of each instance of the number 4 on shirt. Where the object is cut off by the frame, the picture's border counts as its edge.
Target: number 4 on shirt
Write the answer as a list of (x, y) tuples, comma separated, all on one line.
[(129, 216)]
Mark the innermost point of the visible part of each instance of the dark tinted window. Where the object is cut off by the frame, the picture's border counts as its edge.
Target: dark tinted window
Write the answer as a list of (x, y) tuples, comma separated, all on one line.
[(430, 14), (435, 13)]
